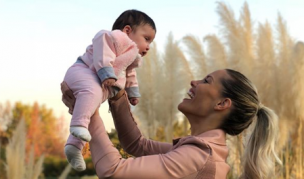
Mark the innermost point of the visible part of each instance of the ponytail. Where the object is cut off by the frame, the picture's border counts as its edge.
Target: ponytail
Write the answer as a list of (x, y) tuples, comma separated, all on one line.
[(260, 156), (260, 152)]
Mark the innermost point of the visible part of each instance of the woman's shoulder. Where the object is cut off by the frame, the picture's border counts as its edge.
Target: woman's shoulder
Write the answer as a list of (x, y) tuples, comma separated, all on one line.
[(213, 142), (216, 136)]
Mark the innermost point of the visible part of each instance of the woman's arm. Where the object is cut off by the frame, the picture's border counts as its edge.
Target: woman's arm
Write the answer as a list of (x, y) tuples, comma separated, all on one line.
[(184, 161), (129, 134)]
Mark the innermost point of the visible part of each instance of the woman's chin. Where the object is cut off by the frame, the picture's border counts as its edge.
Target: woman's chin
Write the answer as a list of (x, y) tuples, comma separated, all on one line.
[(185, 105), (181, 106)]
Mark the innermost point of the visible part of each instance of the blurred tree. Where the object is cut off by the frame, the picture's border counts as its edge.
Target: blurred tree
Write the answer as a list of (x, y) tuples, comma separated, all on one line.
[(42, 128)]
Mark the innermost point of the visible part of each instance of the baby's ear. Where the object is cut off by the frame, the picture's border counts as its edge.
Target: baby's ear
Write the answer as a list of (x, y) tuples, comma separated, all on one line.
[(127, 29)]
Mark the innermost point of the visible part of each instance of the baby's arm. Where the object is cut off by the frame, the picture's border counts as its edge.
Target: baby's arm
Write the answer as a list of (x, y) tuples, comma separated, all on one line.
[(132, 86), (104, 57)]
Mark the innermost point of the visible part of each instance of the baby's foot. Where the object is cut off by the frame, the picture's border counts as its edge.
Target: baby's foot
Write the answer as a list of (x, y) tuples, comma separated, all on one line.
[(81, 133), (74, 157)]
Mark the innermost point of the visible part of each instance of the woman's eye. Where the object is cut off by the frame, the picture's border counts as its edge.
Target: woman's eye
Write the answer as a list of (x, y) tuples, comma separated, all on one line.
[(205, 81)]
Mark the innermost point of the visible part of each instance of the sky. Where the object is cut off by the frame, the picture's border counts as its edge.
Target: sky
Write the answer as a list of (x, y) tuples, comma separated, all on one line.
[(40, 40)]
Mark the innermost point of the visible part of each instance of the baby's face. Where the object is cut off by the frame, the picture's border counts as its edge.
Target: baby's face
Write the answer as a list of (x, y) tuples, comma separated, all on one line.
[(143, 35)]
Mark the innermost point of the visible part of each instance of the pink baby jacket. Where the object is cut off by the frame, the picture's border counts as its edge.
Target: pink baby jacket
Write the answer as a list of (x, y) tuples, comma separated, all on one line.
[(114, 55)]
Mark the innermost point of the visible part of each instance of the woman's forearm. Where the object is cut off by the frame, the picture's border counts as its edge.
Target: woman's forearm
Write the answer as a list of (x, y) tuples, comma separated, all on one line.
[(104, 155), (129, 134)]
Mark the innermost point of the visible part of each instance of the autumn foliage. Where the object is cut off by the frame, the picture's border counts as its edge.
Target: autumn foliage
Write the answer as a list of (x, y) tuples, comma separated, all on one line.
[(45, 132)]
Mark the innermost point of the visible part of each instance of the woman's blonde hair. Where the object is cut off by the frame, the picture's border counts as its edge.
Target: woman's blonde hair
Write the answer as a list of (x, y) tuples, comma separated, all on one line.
[(260, 152)]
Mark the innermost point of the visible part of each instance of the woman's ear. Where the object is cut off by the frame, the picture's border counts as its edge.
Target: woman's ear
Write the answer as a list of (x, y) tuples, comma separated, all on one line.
[(127, 29), (223, 104)]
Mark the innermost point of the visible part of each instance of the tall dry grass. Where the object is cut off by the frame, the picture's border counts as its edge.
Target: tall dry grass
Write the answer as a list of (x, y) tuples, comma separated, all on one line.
[(149, 74), (197, 55), (19, 165), (216, 54), (65, 172), (164, 80), (16, 165), (5, 116), (267, 55)]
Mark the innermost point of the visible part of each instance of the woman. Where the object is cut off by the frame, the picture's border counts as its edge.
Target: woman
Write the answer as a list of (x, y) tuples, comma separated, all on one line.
[(223, 102)]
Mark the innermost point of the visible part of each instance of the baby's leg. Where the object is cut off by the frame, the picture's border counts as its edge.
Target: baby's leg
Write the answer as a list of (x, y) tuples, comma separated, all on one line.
[(89, 95), (73, 153)]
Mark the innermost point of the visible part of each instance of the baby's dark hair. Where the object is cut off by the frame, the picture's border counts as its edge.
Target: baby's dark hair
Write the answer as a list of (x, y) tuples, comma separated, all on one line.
[(132, 18)]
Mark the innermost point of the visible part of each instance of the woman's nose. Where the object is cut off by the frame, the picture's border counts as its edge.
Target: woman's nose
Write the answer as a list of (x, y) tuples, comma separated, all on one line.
[(193, 83)]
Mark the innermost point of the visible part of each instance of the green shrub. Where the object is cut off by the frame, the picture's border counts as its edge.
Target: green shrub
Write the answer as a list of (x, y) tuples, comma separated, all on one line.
[(54, 166)]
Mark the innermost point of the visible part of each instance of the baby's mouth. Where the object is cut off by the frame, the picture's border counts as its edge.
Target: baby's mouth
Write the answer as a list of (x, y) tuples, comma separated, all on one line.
[(143, 53)]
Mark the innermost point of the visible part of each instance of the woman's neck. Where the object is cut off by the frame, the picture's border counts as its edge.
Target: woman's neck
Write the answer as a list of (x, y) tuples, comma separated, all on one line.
[(200, 125)]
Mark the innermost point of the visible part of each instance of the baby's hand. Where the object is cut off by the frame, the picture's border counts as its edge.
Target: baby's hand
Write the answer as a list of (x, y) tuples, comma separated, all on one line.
[(134, 101), (108, 82)]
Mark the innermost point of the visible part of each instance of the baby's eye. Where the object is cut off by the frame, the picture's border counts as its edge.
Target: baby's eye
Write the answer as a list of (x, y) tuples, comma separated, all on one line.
[(205, 81)]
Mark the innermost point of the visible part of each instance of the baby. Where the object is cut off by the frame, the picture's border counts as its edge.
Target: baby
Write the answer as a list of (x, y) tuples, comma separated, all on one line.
[(107, 66)]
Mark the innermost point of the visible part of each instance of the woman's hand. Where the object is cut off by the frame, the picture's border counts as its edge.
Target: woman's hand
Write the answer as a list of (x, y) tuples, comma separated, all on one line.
[(68, 97)]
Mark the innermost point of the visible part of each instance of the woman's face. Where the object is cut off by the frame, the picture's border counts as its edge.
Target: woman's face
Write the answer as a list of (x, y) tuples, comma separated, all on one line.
[(204, 95)]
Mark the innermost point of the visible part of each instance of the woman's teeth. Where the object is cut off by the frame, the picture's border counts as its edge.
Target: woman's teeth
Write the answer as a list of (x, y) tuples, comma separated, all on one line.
[(190, 94)]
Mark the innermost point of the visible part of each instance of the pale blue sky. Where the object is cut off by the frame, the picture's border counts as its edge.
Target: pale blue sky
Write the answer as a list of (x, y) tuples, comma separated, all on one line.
[(39, 40)]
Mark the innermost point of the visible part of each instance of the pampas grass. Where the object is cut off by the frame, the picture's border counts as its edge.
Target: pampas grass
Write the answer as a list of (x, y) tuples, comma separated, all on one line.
[(15, 153), (238, 38), (231, 32), (197, 55), (216, 54), (16, 165), (33, 170), (165, 79), (65, 172), (265, 65), (150, 74), (5, 116), (268, 56), (177, 75)]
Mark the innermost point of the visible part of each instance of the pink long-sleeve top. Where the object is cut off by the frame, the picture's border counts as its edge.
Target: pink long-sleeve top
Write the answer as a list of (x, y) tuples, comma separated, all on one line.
[(192, 157), (113, 54)]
